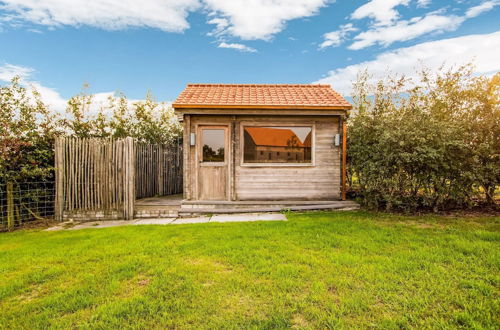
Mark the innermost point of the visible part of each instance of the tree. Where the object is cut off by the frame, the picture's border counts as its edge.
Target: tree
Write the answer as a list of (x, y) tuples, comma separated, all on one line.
[(27, 130), (146, 120), (426, 143), (484, 132)]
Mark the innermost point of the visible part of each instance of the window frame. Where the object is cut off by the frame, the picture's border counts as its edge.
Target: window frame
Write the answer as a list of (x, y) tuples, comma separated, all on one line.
[(277, 124), (200, 128)]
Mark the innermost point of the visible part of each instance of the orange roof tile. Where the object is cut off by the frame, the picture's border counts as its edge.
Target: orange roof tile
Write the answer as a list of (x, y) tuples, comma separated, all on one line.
[(260, 96)]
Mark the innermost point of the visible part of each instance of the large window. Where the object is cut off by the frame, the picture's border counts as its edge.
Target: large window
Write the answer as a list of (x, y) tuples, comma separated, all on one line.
[(277, 144)]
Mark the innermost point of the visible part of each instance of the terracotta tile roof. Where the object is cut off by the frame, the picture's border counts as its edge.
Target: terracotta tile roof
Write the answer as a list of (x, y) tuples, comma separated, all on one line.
[(276, 137), (260, 96)]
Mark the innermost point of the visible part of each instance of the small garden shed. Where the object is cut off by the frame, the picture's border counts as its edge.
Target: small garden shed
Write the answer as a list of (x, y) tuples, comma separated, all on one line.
[(263, 142)]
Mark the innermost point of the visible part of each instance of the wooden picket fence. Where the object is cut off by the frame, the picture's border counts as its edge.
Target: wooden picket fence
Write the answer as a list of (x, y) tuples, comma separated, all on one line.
[(103, 177), (158, 169)]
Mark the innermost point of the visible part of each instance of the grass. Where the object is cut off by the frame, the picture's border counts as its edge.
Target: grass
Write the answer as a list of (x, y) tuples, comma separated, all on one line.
[(318, 270)]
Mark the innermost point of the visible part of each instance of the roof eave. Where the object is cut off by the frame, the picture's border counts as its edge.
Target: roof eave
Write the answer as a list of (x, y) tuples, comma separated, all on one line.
[(288, 107)]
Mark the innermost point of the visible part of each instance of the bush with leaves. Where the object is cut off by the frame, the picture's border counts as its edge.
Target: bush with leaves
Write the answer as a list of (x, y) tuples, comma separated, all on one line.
[(27, 130), (431, 143), (146, 120), (28, 127)]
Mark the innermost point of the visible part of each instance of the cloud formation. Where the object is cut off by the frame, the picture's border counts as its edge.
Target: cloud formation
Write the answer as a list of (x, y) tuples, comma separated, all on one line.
[(483, 49), (388, 28), (49, 96), (240, 47), (258, 19), (404, 30), (168, 16), (248, 20), (335, 38), (381, 11)]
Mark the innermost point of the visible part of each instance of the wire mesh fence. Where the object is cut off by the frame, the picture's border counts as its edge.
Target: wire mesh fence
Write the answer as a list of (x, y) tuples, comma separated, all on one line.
[(24, 202)]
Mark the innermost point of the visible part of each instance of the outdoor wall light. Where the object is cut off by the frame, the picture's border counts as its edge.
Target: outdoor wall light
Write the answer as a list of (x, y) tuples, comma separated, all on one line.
[(192, 139), (337, 140)]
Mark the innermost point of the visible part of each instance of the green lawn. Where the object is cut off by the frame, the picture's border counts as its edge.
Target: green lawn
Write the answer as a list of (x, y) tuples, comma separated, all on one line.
[(345, 269)]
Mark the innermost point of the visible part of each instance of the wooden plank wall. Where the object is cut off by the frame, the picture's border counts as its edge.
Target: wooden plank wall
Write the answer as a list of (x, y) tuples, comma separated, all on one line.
[(158, 169)]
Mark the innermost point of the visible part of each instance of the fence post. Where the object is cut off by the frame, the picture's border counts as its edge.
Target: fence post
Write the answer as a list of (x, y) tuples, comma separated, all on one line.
[(160, 168), (10, 205), (344, 159), (129, 179), (59, 200)]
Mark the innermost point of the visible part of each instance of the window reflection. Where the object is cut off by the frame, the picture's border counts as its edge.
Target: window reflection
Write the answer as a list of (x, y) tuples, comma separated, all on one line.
[(277, 144), (213, 145)]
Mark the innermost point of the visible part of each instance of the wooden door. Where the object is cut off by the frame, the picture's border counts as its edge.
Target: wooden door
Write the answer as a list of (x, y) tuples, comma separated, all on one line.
[(213, 162)]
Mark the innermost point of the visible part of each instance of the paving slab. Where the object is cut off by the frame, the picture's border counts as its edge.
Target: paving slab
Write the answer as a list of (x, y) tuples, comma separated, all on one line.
[(182, 221), (55, 228), (237, 217), (244, 217), (159, 221), (101, 224)]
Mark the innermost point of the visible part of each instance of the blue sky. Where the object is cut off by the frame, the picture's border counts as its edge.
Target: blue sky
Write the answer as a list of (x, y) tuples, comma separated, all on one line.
[(134, 46)]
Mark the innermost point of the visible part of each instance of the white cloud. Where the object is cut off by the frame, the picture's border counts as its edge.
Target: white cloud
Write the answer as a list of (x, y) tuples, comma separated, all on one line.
[(406, 30), (246, 19), (107, 14), (259, 19), (335, 38), (482, 48), (240, 47), (49, 96), (382, 11), (483, 7), (403, 30), (221, 24), (423, 3), (9, 71)]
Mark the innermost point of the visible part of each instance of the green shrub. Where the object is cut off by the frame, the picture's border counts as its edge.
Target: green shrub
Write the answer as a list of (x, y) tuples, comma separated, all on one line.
[(432, 143), (28, 127)]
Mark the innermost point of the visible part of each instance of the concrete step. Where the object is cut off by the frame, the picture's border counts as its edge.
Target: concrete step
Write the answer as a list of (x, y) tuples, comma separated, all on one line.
[(261, 204), (264, 202), (266, 208), (151, 211)]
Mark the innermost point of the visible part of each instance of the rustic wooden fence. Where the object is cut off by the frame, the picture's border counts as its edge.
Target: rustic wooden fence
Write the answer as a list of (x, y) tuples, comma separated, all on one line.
[(101, 178), (158, 169)]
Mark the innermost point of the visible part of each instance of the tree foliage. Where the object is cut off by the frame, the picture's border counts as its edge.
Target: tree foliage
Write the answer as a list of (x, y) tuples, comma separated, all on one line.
[(146, 120), (28, 127), (427, 143), (27, 130)]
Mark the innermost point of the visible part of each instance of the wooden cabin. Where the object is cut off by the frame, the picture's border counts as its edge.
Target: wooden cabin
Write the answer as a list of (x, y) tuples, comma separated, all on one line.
[(263, 142)]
